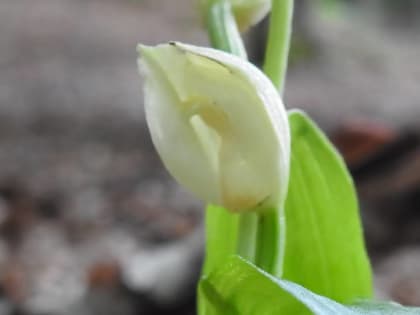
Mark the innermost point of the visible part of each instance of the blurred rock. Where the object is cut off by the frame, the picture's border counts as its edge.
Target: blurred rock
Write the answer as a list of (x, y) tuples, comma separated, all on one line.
[(389, 186), (104, 275), (4, 210), (13, 282), (54, 276), (360, 140), (6, 308), (167, 274), (104, 301), (398, 277), (20, 213), (361, 70)]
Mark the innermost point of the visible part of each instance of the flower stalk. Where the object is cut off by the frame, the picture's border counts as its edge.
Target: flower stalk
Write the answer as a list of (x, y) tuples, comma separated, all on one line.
[(222, 28), (261, 234), (279, 35), (224, 35)]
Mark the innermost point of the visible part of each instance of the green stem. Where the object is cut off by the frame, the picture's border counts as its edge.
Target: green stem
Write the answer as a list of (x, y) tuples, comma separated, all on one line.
[(271, 237), (261, 236), (279, 34), (222, 29), (247, 235)]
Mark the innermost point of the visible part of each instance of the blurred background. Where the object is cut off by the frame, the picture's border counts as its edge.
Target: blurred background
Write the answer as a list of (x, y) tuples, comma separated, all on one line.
[(91, 223)]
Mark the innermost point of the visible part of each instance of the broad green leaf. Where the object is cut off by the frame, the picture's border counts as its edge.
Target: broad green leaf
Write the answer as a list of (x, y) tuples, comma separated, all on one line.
[(325, 250), (240, 288)]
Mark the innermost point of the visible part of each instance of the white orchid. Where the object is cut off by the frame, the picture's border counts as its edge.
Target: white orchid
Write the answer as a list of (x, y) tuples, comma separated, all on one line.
[(218, 124), (247, 12)]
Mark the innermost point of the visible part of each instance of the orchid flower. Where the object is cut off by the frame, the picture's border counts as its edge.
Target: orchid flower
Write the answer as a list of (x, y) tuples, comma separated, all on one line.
[(246, 12), (218, 124)]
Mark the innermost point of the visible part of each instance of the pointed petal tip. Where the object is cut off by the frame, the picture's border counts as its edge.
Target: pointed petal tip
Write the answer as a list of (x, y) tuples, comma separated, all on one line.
[(148, 52), (144, 50)]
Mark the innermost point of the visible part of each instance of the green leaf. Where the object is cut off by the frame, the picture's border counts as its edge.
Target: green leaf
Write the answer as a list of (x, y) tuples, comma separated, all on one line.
[(325, 249), (240, 288)]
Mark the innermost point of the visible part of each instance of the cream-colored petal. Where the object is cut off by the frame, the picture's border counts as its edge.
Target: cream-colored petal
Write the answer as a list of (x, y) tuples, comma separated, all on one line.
[(227, 119), (246, 12), (172, 134), (249, 12)]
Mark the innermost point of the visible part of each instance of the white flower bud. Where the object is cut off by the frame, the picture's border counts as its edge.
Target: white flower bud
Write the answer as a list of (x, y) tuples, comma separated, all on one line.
[(246, 12), (218, 124), (249, 12)]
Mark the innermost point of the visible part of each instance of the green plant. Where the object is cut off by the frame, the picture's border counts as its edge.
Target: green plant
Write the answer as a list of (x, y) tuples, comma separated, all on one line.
[(281, 196)]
